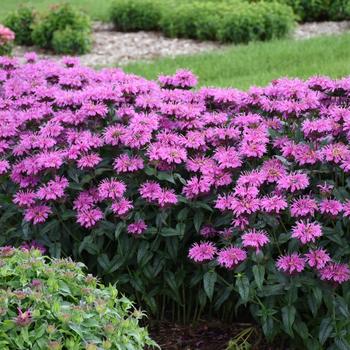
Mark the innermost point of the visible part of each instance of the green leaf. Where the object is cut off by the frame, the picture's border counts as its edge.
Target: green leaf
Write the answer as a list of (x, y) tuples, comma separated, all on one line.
[(209, 280), (259, 273), (326, 329), (342, 344), (242, 284), (118, 230), (169, 232), (198, 219), (288, 318)]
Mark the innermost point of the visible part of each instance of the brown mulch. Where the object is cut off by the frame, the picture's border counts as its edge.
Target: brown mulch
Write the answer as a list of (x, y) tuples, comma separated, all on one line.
[(213, 335)]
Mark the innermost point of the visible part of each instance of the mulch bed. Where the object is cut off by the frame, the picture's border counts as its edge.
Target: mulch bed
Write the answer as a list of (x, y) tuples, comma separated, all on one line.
[(213, 335)]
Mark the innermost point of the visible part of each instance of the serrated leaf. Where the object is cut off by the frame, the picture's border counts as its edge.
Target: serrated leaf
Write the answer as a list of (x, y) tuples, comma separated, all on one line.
[(242, 284), (209, 280), (259, 274), (288, 318), (198, 219), (326, 328)]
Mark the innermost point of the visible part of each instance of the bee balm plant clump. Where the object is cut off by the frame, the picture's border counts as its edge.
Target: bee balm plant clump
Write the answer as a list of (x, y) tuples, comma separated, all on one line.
[(194, 200)]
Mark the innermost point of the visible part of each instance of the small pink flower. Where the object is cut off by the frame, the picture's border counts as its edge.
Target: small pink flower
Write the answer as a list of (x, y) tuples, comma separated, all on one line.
[(204, 251), (317, 258), (331, 206), (137, 228), (291, 264), (24, 318), (306, 231), (37, 214), (89, 217), (230, 257), (255, 239), (336, 273)]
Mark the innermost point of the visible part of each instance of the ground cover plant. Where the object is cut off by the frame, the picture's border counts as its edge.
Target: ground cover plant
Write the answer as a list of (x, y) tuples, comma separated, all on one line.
[(195, 201), (53, 304), (257, 63)]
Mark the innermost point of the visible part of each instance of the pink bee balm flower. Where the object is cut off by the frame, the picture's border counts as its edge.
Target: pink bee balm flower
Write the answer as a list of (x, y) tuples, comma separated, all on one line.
[(204, 251), (230, 257), (291, 264), (89, 217), (317, 258), (336, 273), (331, 206), (37, 214), (306, 231), (273, 204), (111, 189), (121, 207), (303, 207), (54, 189), (33, 245), (24, 198), (346, 208), (124, 163), (89, 161), (255, 239), (137, 228), (4, 166), (24, 318), (293, 182)]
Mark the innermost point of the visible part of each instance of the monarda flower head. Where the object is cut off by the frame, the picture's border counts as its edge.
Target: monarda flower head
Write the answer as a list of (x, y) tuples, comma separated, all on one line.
[(202, 252), (231, 257), (306, 231), (335, 273), (291, 264), (255, 239)]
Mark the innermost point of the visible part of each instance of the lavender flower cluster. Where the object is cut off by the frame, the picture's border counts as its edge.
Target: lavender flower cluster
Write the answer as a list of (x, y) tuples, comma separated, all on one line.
[(281, 151)]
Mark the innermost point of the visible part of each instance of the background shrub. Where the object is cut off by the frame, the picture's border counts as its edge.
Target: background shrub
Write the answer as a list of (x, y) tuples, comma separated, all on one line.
[(227, 21), (7, 37), (52, 304), (136, 14), (65, 19), (70, 41), (21, 23), (318, 10)]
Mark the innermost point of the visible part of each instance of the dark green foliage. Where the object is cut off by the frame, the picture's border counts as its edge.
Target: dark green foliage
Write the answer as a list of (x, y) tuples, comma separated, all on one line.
[(59, 19), (21, 22), (70, 41), (135, 15)]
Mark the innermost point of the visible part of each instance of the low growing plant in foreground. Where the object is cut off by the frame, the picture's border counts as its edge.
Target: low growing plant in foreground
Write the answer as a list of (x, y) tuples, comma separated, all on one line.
[(52, 304), (203, 201)]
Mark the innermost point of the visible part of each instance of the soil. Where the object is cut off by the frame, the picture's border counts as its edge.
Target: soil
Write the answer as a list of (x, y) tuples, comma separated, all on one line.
[(213, 335)]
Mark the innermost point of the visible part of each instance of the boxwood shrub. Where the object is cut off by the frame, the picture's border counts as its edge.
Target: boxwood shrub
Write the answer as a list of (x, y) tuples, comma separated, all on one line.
[(68, 22), (21, 23), (51, 304), (136, 14)]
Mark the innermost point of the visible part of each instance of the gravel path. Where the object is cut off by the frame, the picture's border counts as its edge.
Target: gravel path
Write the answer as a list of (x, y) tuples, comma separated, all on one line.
[(111, 48)]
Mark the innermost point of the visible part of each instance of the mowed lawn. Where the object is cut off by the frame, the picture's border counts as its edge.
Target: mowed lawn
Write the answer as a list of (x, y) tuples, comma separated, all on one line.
[(97, 9), (259, 62)]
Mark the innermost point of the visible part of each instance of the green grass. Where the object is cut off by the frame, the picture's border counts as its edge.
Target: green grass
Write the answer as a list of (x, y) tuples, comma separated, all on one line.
[(97, 9), (258, 63)]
